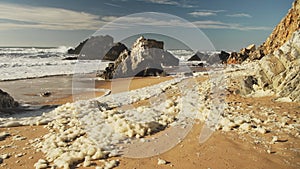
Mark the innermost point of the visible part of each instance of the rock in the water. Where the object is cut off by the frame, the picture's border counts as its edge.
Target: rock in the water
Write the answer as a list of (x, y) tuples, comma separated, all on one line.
[(284, 30), (70, 58), (78, 48), (115, 51), (145, 59), (93, 48), (198, 57), (6, 101), (45, 94)]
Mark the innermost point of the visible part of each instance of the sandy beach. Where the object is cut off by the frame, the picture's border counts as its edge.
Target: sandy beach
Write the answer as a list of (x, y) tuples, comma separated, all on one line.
[(223, 149)]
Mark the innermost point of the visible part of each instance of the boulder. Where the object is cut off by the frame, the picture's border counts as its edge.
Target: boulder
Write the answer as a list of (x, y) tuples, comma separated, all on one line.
[(114, 52), (6, 101)]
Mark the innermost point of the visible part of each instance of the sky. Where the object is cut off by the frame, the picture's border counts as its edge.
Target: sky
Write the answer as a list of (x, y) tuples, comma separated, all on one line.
[(226, 24)]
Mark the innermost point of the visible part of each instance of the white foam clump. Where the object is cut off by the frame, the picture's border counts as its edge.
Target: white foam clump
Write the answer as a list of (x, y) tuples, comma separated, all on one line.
[(90, 129)]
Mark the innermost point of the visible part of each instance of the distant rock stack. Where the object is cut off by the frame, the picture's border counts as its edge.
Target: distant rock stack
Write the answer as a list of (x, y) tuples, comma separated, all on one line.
[(145, 59), (284, 30), (95, 47), (6, 101)]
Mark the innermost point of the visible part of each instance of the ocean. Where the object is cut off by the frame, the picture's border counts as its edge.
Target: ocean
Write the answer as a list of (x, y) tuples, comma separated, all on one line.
[(32, 62)]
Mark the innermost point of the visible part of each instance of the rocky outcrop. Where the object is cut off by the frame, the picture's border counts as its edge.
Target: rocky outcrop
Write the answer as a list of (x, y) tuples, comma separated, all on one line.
[(6, 101), (250, 52), (279, 71), (78, 48), (284, 30), (224, 56), (114, 52), (93, 48), (198, 57), (146, 59)]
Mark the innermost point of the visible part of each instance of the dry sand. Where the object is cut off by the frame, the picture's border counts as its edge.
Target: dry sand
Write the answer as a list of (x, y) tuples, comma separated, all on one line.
[(222, 150)]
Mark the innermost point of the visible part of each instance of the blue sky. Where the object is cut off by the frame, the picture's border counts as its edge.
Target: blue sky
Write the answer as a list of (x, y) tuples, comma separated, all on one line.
[(229, 24)]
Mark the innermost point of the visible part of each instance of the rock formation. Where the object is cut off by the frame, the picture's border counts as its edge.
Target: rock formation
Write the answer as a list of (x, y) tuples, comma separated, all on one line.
[(224, 56), (93, 48), (114, 52), (146, 59), (284, 30), (198, 57), (249, 52), (6, 101), (279, 71)]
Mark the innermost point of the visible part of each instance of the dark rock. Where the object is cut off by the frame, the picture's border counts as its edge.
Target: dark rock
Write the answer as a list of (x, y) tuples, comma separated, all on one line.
[(167, 59), (198, 57), (115, 51), (224, 56), (93, 48), (70, 58), (77, 49), (150, 72), (233, 58), (6, 101), (45, 94), (213, 59), (247, 84)]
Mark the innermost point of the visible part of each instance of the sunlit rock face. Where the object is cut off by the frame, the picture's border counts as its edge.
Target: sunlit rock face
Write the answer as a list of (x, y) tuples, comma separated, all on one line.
[(146, 58), (284, 30)]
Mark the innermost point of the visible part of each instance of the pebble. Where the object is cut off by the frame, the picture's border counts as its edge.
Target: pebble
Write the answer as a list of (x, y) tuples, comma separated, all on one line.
[(3, 135), (5, 156), (20, 155), (41, 164), (19, 138), (161, 161), (274, 139)]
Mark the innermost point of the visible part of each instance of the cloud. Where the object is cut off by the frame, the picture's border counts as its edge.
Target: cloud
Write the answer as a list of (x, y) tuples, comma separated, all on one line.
[(113, 5), (205, 13), (222, 25), (18, 17), (240, 15), (165, 2), (170, 2), (196, 14), (130, 22)]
